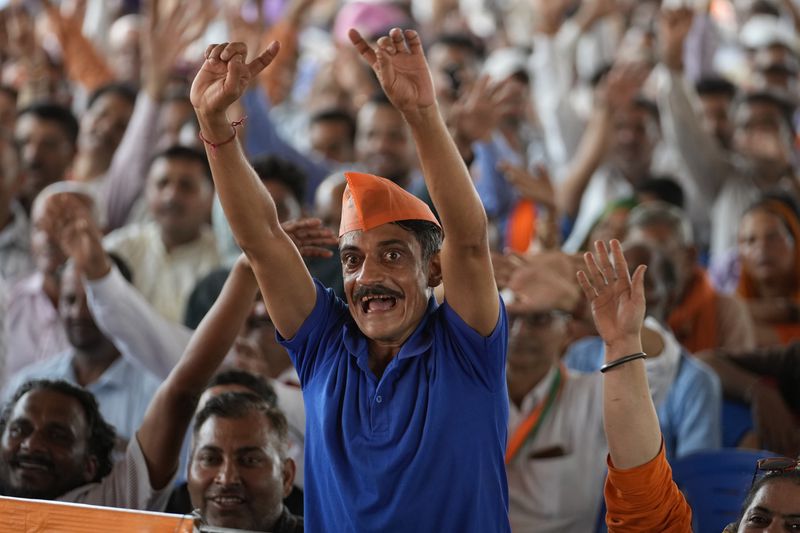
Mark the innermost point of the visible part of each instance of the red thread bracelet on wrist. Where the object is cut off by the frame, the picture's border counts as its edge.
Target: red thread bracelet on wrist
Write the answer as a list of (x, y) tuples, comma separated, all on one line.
[(214, 145)]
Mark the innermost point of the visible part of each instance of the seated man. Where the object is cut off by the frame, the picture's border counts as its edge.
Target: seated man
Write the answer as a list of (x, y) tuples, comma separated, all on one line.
[(122, 387), (49, 439), (239, 472), (168, 256), (701, 318), (556, 450), (32, 324), (686, 392)]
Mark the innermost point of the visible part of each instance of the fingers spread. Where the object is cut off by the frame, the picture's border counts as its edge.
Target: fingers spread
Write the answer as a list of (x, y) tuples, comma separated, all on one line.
[(588, 290), (620, 263), (597, 278), (605, 263)]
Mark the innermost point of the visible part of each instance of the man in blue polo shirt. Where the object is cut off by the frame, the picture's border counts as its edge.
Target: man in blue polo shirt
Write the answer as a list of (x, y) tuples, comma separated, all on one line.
[(405, 400)]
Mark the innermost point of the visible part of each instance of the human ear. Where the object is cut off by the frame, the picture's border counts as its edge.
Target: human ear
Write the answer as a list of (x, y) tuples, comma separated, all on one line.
[(435, 270), (289, 469), (90, 468)]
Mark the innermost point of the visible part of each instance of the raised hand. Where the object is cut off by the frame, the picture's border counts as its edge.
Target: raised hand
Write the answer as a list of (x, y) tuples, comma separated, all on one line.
[(673, 28), (399, 63), (531, 186), (310, 236), (475, 115), (623, 82), (165, 36), (81, 240), (617, 300), (225, 76)]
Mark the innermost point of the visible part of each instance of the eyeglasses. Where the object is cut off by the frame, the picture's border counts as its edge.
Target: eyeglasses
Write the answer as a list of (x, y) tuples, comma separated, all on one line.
[(541, 319), (775, 464)]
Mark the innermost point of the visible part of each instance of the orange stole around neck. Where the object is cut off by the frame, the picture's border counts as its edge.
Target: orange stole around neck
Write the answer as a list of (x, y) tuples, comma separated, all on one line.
[(694, 321)]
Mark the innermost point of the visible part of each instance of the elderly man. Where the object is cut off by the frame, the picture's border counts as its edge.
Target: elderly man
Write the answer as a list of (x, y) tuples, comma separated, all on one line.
[(701, 318), (400, 393), (555, 415)]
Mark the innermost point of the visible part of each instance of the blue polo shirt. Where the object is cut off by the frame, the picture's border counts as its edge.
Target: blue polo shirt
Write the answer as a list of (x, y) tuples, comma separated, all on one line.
[(421, 448)]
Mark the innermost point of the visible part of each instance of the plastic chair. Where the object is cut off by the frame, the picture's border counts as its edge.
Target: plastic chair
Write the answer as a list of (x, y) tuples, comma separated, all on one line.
[(715, 484), (736, 422)]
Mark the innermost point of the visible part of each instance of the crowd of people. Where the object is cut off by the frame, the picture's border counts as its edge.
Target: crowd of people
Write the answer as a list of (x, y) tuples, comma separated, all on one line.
[(394, 265)]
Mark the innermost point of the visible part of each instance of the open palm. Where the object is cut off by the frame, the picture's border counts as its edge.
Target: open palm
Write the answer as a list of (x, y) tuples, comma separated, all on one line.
[(618, 304), (225, 76), (399, 63)]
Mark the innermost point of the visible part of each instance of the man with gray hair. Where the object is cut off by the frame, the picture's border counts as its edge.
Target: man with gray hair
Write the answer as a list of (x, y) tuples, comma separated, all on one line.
[(701, 318)]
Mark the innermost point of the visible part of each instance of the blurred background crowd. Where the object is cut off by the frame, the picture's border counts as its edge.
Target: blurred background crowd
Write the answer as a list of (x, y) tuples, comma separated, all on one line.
[(670, 125)]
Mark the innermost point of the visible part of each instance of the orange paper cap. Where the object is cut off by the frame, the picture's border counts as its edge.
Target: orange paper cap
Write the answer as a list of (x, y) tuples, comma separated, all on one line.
[(370, 201)]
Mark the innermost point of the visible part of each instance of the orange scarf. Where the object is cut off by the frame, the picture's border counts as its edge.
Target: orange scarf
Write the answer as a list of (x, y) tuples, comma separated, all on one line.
[(694, 321)]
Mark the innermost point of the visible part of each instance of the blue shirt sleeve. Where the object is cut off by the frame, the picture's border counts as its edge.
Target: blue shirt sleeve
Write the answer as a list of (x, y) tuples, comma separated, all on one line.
[(307, 349), (483, 358)]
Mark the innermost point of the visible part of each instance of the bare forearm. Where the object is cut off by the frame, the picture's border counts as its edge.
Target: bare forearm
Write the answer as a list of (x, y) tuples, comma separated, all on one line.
[(631, 423), (241, 193), (177, 397), (448, 180)]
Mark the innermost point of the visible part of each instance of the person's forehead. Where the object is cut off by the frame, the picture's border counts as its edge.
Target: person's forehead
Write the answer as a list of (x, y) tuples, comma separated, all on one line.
[(780, 496), (49, 406), (656, 232), (230, 434), (177, 167), (385, 234), (112, 100), (29, 124)]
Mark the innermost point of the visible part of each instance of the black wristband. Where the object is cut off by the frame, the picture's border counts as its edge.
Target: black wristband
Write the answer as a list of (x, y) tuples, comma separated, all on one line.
[(622, 360)]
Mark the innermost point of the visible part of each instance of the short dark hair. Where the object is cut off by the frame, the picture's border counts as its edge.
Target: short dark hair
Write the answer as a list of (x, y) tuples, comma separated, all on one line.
[(253, 382), (205, 293), (428, 234), (790, 475), (272, 168), (663, 188), (59, 114), (240, 404), (715, 86), (185, 153), (102, 436), (123, 90), (336, 114)]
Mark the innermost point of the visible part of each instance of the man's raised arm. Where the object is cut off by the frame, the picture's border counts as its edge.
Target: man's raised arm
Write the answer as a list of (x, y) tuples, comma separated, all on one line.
[(403, 72), (283, 278)]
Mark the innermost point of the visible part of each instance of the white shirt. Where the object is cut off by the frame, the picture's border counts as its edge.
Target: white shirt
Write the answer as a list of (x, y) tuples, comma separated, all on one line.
[(166, 279), (127, 486), (561, 494)]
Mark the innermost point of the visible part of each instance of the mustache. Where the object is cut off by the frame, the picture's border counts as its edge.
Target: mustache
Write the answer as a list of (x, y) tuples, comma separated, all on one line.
[(375, 290), (226, 492), (32, 458)]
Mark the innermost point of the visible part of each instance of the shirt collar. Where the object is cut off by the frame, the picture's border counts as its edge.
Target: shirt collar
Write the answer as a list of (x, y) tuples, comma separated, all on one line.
[(114, 377), (538, 392)]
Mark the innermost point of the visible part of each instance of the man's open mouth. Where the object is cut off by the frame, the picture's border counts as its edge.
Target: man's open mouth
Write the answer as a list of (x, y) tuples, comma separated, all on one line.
[(376, 303)]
